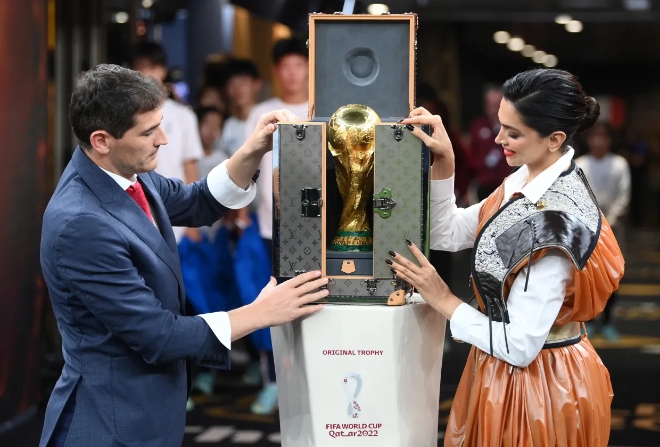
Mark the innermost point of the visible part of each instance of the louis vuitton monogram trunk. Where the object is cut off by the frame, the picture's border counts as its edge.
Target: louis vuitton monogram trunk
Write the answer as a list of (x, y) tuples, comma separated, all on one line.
[(368, 61)]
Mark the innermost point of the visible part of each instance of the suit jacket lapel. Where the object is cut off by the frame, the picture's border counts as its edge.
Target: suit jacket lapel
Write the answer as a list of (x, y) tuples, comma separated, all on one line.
[(166, 230), (121, 206)]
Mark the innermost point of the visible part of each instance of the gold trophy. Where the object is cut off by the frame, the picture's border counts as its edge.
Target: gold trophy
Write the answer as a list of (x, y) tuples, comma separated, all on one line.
[(351, 135)]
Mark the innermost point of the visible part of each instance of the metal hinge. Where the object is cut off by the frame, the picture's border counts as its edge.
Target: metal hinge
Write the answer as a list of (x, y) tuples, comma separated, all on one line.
[(300, 131), (398, 132), (371, 285), (383, 203), (310, 202)]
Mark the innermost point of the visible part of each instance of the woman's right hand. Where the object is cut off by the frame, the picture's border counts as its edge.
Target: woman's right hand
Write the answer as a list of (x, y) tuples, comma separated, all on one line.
[(438, 142)]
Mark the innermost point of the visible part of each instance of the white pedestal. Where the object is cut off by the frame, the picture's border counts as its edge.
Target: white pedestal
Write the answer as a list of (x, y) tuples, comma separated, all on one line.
[(352, 376)]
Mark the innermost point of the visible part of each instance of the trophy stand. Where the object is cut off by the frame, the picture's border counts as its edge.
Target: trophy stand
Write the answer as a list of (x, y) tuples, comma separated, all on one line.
[(360, 376)]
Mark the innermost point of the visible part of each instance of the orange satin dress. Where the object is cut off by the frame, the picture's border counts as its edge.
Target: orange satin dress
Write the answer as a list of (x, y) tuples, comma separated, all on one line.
[(563, 398)]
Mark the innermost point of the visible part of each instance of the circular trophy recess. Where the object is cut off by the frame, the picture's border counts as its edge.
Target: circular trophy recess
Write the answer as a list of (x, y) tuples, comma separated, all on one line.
[(361, 66)]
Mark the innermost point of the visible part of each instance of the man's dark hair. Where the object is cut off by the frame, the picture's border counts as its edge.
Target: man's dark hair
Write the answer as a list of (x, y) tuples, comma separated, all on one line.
[(108, 97), (242, 67), (149, 51), (285, 47), (550, 100)]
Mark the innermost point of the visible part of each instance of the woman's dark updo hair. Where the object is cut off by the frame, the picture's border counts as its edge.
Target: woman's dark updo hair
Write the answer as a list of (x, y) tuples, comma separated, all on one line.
[(550, 100)]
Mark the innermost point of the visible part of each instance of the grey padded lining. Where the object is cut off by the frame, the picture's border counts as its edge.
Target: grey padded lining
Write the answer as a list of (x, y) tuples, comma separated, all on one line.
[(362, 62)]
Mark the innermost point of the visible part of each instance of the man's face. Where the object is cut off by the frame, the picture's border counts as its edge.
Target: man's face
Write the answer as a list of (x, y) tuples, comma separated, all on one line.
[(242, 90), (293, 72), (492, 100), (150, 70), (599, 141), (136, 151)]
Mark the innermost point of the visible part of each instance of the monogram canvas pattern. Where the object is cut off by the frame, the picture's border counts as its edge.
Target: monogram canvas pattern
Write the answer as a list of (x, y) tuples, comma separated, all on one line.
[(398, 167), (300, 164), (357, 289)]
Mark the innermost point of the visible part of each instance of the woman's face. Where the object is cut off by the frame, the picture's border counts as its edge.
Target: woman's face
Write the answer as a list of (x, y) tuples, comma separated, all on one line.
[(522, 145)]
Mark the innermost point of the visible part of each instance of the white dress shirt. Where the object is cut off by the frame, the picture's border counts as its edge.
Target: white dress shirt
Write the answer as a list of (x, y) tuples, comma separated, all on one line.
[(531, 313), (231, 196)]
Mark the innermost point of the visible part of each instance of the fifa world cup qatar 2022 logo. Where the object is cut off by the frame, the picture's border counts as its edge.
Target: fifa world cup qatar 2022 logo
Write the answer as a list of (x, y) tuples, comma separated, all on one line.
[(352, 385)]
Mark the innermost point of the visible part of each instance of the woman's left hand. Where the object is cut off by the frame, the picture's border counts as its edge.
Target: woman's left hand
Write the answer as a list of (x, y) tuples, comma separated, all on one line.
[(425, 278)]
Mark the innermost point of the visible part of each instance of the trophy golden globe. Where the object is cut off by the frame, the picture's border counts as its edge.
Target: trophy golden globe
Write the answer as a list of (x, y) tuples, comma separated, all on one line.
[(351, 140)]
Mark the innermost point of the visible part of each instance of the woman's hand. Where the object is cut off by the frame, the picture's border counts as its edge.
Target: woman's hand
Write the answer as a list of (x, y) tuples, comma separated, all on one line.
[(438, 142), (426, 280)]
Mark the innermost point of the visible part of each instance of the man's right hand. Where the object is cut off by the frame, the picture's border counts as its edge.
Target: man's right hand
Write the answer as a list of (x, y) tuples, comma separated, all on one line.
[(286, 302), (279, 304)]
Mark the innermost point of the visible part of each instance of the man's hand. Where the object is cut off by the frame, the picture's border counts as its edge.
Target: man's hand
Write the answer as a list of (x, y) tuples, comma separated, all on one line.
[(286, 302), (279, 304), (261, 139), (244, 163)]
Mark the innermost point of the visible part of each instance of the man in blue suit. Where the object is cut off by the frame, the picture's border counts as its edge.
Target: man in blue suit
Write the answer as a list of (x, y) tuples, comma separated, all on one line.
[(110, 261)]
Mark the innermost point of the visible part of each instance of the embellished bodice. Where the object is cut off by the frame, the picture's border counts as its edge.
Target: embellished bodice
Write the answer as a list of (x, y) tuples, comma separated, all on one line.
[(566, 217)]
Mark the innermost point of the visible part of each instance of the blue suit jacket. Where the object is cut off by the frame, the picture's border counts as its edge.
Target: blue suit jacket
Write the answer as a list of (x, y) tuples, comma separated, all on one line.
[(117, 293)]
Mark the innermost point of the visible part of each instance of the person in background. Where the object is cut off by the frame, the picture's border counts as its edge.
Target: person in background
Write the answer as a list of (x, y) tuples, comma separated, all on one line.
[(488, 160), (242, 86), (211, 96), (608, 175), (210, 121), (291, 72), (180, 157), (206, 264)]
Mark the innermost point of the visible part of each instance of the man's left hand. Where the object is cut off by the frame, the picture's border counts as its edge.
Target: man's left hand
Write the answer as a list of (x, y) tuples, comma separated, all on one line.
[(261, 139)]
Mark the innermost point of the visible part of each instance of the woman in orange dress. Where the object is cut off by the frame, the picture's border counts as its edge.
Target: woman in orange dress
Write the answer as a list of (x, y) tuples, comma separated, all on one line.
[(544, 261)]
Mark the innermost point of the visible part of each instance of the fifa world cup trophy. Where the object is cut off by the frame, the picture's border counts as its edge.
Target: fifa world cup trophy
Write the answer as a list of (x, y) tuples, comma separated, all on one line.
[(351, 140)]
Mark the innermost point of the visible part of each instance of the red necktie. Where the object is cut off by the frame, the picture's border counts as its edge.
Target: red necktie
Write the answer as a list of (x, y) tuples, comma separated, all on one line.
[(137, 193)]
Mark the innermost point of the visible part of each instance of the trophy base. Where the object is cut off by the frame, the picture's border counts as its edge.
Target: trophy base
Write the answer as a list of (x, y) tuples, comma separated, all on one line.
[(353, 241), (363, 261)]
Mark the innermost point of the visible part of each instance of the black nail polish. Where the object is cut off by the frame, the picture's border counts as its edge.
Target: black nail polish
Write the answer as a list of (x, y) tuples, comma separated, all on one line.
[(393, 271), (401, 120), (391, 253), (410, 127), (408, 242), (389, 262)]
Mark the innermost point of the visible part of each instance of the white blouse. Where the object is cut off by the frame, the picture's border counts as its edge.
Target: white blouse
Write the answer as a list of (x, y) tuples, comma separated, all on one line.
[(531, 313)]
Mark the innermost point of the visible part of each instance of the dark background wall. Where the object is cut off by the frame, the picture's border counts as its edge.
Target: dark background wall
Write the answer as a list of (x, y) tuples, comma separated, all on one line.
[(23, 176)]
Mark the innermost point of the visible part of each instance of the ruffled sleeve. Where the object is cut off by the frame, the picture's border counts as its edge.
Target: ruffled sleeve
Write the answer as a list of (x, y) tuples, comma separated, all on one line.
[(592, 286)]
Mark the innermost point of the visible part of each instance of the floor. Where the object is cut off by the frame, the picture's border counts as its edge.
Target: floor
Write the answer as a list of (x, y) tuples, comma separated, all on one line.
[(224, 419)]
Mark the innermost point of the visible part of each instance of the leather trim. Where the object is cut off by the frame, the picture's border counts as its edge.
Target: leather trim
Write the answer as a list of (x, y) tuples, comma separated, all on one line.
[(551, 229)]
